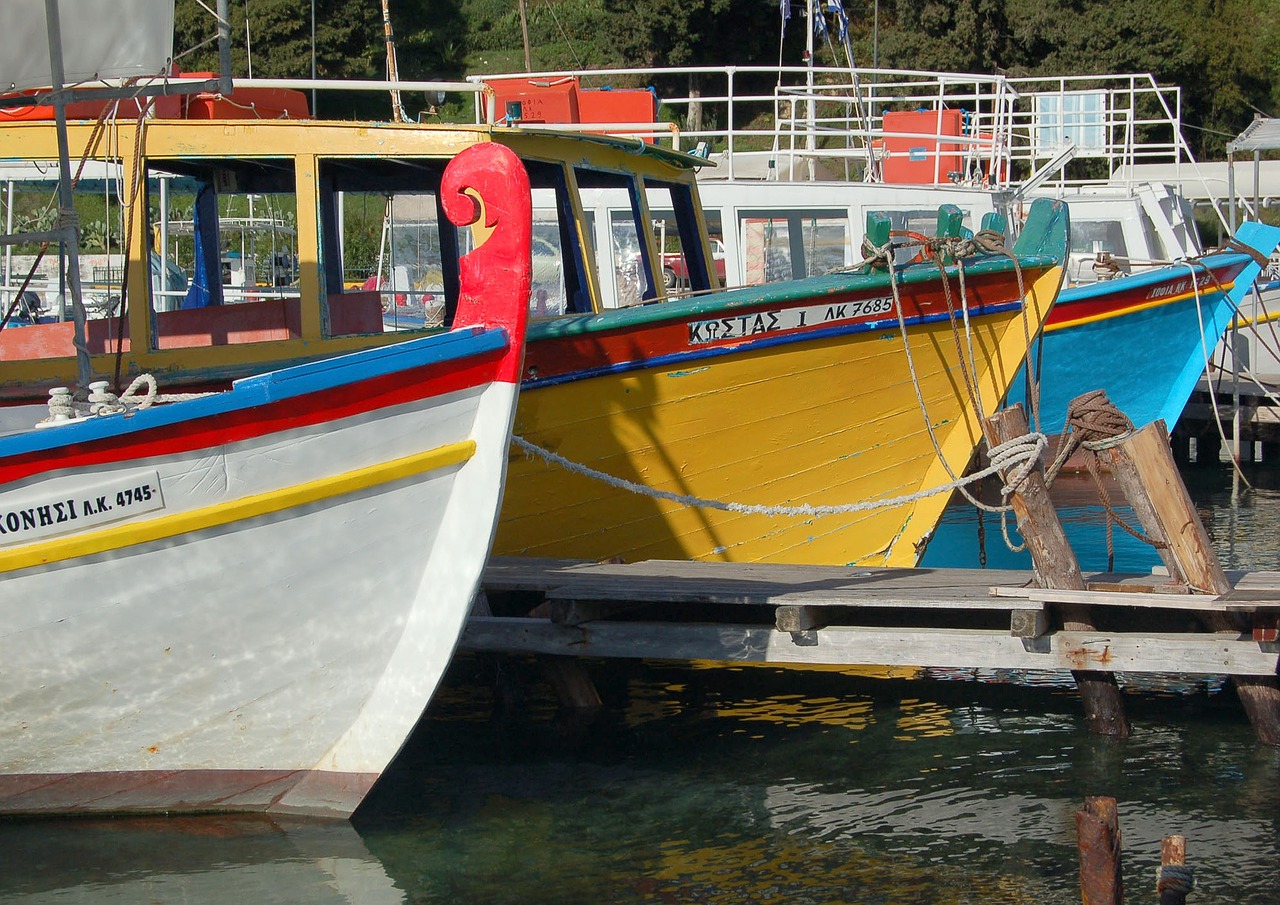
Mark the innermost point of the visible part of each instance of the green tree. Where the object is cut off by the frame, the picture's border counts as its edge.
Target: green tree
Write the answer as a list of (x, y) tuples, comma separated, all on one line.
[(273, 38)]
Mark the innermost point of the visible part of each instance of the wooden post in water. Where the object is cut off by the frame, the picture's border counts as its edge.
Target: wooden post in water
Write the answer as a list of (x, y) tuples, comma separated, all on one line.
[(1056, 567), (1174, 879), (1098, 841), (1143, 465)]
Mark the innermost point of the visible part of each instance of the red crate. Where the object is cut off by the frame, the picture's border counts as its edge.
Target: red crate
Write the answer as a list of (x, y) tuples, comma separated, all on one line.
[(915, 161)]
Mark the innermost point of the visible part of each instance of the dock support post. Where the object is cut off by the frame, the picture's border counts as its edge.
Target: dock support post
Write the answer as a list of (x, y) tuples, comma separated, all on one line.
[(1098, 841), (573, 686), (1056, 567), (1143, 465), (1174, 879)]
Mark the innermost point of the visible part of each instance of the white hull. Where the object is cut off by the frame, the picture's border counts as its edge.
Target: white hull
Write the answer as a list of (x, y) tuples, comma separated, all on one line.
[(275, 662)]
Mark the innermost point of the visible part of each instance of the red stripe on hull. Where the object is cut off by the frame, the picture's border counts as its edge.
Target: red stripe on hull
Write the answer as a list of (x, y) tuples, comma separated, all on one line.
[(555, 356), (1116, 304), (258, 421)]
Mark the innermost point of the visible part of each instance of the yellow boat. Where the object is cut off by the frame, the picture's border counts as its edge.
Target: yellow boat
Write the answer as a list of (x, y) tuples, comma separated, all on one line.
[(753, 424)]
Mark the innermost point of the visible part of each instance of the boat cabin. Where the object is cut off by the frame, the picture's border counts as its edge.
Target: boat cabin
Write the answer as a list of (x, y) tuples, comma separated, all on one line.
[(361, 235)]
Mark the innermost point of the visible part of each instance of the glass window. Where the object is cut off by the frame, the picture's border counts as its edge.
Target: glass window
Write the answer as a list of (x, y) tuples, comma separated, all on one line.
[(223, 233), (785, 245), (35, 289), (1071, 117)]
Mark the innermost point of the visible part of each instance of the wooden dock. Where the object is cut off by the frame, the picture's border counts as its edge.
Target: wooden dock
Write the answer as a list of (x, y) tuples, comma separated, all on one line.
[(957, 618), (1197, 438)]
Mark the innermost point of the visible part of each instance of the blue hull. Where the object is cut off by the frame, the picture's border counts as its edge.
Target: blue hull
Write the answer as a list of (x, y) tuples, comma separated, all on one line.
[(1147, 359)]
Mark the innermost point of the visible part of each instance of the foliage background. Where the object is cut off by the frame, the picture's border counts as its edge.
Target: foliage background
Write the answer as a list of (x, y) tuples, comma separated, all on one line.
[(1225, 54)]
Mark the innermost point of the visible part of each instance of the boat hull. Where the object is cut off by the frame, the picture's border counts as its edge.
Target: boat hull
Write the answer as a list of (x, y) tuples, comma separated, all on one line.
[(257, 603), (827, 419), (1144, 339)]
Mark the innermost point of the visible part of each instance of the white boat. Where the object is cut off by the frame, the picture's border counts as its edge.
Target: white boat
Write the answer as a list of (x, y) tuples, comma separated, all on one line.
[(244, 601)]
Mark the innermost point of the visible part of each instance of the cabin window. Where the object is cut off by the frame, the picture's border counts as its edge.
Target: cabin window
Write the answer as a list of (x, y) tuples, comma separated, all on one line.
[(548, 295), (223, 251), (388, 252), (682, 273), (786, 245), (35, 289), (1098, 250)]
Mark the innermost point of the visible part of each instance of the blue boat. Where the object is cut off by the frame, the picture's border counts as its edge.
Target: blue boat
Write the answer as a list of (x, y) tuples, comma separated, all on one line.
[(1144, 338)]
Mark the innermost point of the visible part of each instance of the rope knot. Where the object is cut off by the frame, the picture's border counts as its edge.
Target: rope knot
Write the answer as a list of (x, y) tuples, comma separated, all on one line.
[(1175, 878), (1015, 459), (876, 255), (1096, 422)]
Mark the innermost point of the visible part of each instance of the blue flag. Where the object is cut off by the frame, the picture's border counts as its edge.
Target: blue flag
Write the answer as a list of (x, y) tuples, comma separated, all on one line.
[(842, 19)]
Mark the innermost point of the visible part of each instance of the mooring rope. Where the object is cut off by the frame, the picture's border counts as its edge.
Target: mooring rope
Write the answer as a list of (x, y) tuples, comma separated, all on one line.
[(1094, 424), (1019, 454), (140, 394)]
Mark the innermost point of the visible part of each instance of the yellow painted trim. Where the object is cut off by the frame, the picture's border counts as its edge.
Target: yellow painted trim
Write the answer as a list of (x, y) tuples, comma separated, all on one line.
[(1095, 318), (134, 533), (1241, 321), (315, 322)]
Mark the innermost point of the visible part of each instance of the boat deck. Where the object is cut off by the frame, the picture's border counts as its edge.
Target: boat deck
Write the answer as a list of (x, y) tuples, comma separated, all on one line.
[(811, 615)]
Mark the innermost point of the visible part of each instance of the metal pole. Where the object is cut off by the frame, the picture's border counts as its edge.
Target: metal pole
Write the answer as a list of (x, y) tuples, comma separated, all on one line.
[(224, 46), (313, 55), (1235, 364), (875, 38), (8, 249), (66, 202)]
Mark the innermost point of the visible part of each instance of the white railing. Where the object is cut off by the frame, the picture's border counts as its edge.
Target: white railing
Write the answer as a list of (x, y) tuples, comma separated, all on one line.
[(1008, 127)]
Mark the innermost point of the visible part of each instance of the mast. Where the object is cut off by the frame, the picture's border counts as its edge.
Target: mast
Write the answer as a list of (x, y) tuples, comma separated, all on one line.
[(393, 71), (68, 225)]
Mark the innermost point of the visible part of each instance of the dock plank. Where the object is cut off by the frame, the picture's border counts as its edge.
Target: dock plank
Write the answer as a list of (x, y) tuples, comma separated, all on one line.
[(1180, 653)]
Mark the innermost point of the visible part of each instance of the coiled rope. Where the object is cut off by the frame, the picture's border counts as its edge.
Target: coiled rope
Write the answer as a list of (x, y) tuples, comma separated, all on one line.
[(1175, 878)]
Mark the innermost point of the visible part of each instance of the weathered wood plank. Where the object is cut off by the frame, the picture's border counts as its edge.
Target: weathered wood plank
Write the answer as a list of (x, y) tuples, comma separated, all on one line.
[(1247, 601), (1179, 653), (624, 590)]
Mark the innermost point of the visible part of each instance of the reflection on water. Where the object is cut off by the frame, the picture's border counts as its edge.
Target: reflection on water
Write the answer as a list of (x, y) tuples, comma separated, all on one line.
[(733, 785), (1243, 533)]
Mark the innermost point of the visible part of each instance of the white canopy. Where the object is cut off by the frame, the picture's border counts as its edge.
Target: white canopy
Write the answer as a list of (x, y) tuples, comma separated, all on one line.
[(1263, 134), (101, 39)]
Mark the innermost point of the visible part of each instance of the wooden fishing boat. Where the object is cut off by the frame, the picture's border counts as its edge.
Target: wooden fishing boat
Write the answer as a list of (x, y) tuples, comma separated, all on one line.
[(773, 423), (244, 601), (826, 392), (814, 150), (1146, 338)]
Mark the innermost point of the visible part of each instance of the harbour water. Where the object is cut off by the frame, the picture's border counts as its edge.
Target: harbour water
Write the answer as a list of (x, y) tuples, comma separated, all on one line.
[(733, 785)]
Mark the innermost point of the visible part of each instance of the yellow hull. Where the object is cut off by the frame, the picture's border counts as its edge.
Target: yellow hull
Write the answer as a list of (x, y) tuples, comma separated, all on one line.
[(827, 422)]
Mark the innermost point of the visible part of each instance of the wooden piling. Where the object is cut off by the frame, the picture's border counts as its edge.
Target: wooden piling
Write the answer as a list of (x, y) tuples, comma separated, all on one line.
[(1098, 841), (1174, 879), (1143, 465), (1056, 567)]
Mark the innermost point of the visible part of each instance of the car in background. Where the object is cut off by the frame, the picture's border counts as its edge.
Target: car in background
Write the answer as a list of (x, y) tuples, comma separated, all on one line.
[(675, 269)]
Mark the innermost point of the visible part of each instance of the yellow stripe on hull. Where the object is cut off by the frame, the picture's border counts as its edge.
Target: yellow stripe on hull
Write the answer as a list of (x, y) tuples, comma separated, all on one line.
[(1134, 309), (169, 526), (830, 422)]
